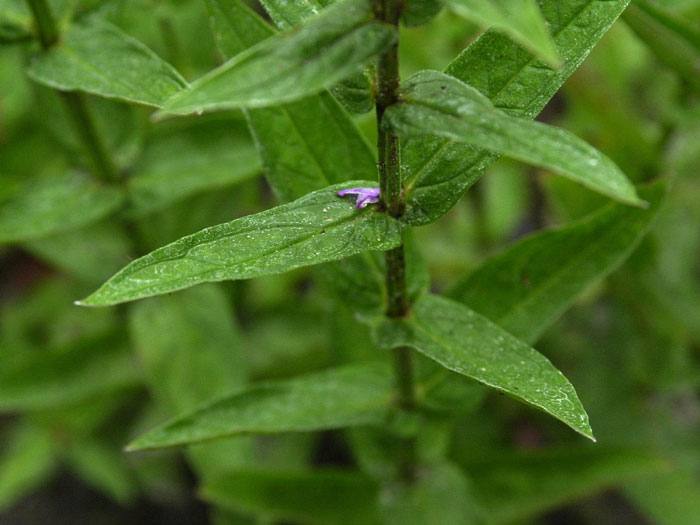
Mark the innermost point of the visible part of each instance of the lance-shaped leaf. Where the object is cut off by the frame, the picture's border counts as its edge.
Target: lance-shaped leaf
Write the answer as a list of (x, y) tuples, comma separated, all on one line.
[(433, 103), (527, 287), (355, 92), (317, 228), (521, 20), (438, 171), (52, 203), (349, 396), (320, 497), (96, 57), (305, 145), (289, 66), (465, 342)]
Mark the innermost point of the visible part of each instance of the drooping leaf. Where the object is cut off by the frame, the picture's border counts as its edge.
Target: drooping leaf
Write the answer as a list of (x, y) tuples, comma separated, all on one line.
[(203, 157), (439, 171), (674, 43), (436, 104), (96, 57), (516, 486), (65, 376), (317, 228), (52, 203), (330, 47), (527, 287), (350, 396), (521, 20), (318, 497), (465, 342)]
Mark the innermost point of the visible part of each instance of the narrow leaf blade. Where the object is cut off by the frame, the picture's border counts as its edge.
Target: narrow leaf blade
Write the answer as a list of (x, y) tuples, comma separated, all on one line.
[(519, 19), (349, 396), (467, 343), (439, 105), (439, 171), (317, 228), (527, 287), (289, 66), (96, 57)]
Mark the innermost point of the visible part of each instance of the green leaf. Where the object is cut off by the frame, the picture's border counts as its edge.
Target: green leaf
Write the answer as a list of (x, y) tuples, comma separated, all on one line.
[(317, 228), (289, 66), (465, 342), (419, 12), (319, 497), (65, 376), (17, 22), (439, 171), (183, 338), (527, 287), (669, 498), (441, 495), (236, 26), (202, 157), (304, 145), (98, 58), (521, 20), (104, 468), (91, 254), (52, 203), (436, 104), (355, 93), (309, 144), (342, 397), (28, 459), (287, 14), (516, 486), (674, 43)]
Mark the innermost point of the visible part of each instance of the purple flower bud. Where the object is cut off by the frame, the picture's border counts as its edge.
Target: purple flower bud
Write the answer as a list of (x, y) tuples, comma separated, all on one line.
[(365, 196)]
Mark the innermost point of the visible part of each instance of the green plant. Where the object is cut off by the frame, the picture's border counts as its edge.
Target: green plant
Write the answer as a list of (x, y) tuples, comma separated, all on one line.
[(147, 164)]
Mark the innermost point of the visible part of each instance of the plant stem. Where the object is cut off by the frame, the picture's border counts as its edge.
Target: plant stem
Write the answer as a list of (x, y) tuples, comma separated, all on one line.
[(100, 160), (387, 83), (45, 23), (102, 164)]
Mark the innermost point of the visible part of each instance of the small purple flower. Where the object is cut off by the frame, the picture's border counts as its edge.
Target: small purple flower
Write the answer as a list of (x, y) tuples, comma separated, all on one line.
[(365, 196)]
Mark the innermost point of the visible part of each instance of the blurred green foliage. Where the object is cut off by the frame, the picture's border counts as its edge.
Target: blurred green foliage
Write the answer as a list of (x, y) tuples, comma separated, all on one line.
[(618, 309)]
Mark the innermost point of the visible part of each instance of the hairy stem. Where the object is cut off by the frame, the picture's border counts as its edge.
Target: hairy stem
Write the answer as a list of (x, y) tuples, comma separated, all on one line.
[(387, 84), (100, 160)]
